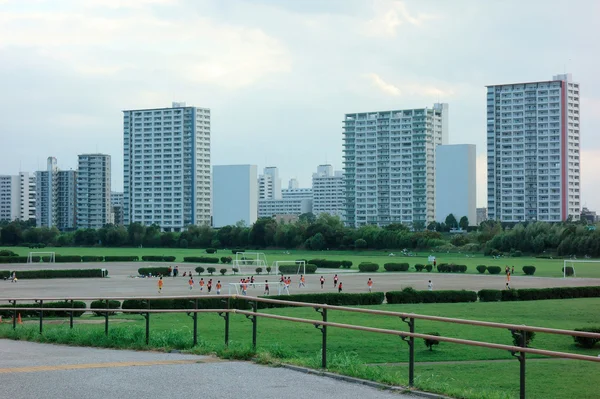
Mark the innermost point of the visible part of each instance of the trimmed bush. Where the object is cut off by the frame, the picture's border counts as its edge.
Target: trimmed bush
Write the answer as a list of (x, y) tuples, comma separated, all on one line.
[(121, 258), (490, 295), (533, 294), (199, 270), (91, 258), (429, 267), (368, 267), (430, 342), (396, 267), (494, 269), (419, 267), (211, 270), (238, 250), (509, 295), (49, 312), (210, 250), (258, 270), (346, 264), (65, 258), (516, 336), (226, 259), (481, 268), (325, 263), (269, 269), (570, 271), (233, 269), (17, 259), (222, 271), (293, 269), (332, 298), (446, 268), (67, 273), (201, 259), (587, 342), (529, 270), (155, 271), (102, 305), (4, 274), (410, 295), (155, 258), (7, 252)]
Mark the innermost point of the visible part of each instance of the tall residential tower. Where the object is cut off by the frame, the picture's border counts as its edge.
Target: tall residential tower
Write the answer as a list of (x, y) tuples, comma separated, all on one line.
[(533, 150), (166, 171), (93, 191)]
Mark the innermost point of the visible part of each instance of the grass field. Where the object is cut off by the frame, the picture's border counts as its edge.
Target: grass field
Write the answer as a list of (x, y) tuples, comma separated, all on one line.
[(545, 267), (353, 353)]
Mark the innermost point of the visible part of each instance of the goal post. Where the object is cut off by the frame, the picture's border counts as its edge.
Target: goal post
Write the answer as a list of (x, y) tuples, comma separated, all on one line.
[(249, 261), (299, 266), (583, 266), (42, 255)]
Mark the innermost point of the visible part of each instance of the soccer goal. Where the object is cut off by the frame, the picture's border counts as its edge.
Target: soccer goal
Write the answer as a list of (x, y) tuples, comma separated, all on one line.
[(299, 266), (256, 288), (585, 268), (44, 257), (247, 262)]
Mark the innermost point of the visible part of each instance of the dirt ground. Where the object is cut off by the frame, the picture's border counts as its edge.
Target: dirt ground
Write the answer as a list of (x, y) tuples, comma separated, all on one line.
[(120, 282)]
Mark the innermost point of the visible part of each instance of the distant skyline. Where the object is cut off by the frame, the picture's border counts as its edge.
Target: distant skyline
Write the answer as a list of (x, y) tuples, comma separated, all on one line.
[(278, 75)]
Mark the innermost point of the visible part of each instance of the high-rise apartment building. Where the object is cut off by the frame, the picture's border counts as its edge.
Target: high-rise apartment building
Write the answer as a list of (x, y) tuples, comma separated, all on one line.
[(455, 182), (93, 191), (269, 184), (55, 199), (389, 165), (297, 193), (328, 191), (235, 194), (533, 150), (167, 167), (9, 198), (116, 208)]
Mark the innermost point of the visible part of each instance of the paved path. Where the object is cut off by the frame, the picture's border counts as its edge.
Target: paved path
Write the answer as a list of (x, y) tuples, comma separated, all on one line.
[(120, 284), (31, 370)]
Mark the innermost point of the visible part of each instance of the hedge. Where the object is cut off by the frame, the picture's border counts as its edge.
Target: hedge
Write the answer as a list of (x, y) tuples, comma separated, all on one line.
[(337, 299), (346, 264), (47, 313), (200, 259), (226, 259), (429, 267), (494, 269), (396, 267), (419, 267), (121, 258), (18, 259), (156, 258), (587, 342), (4, 274), (67, 273), (235, 251), (112, 304), (7, 252), (481, 269), (91, 258), (529, 270), (293, 269), (533, 294), (326, 263), (446, 268), (570, 271), (210, 250), (368, 267), (155, 271), (410, 295)]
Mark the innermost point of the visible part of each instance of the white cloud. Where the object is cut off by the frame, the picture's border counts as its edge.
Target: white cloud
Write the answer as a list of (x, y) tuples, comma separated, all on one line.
[(412, 89), (389, 16), (590, 181), (382, 85)]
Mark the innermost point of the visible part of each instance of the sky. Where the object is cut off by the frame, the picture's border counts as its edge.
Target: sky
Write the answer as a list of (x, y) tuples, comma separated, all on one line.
[(279, 75)]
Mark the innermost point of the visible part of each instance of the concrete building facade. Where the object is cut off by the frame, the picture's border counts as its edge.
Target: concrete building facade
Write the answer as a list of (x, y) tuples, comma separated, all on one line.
[(93, 191), (167, 167), (328, 191), (269, 184), (481, 215), (56, 197), (389, 165), (9, 198), (235, 194), (455, 182), (533, 150), (270, 207)]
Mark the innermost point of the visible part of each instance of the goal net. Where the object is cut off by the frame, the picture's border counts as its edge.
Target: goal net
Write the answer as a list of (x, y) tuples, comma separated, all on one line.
[(247, 262), (256, 288), (35, 257), (286, 267), (581, 268)]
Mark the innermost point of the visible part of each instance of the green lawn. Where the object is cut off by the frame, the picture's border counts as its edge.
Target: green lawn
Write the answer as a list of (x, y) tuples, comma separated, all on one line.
[(545, 267), (350, 351)]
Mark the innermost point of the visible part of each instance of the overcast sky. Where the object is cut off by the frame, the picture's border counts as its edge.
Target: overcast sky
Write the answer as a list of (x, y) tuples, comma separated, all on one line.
[(279, 75)]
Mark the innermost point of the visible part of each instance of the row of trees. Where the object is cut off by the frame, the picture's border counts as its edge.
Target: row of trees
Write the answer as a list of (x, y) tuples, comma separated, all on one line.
[(325, 232)]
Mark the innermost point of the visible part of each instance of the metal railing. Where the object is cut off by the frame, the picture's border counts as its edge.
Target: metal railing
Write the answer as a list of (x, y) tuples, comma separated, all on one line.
[(409, 318)]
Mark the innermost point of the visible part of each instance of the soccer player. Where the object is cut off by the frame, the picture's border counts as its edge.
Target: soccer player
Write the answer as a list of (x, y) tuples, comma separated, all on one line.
[(219, 287), (430, 286), (301, 283), (370, 284), (160, 284), (266, 288), (322, 280), (244, 287), (209, 285), (335, 280), (508, 277), (191, 283), (201, 284), (340, 287), (252, 282), (513, 270)]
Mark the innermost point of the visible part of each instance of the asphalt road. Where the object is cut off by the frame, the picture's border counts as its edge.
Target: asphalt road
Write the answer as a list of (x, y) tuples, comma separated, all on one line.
[(119, 282), (31, 370)]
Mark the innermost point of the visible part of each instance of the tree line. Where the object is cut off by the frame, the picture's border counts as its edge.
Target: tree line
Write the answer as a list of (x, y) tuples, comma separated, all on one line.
[(328, 232)]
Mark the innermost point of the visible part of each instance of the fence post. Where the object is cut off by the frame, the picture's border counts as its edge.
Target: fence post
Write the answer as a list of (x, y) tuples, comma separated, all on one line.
[(411, 350), (71, 316), (195, 322), (41, 302), (14, 302), (522, 364), (225, 316), (148, 324), (323, 329), (254, 320), (106, 319)]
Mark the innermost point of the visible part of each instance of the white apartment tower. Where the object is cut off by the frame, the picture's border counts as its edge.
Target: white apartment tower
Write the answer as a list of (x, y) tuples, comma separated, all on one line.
[(167, 167), (93, 191), (269, 184), (55, 197), (9, 198), (389, 165), (533, 150), (328, 191)]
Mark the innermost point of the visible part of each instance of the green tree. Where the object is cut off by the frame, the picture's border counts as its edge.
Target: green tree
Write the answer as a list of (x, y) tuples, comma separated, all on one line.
[(307, 217), (360, 244), (463, 223), (451, 221), (418, 225), (317, 242)]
